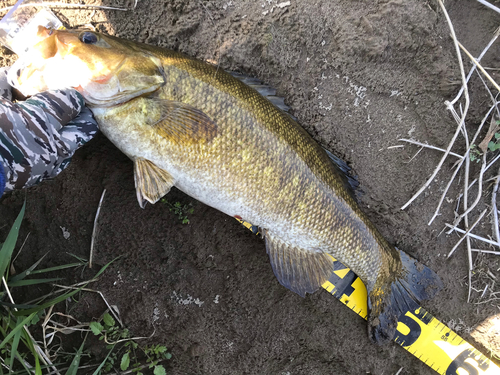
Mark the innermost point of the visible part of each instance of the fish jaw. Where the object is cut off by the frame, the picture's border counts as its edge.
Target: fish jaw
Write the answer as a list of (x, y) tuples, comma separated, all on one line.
[(103, 74), (332, 224), (120, 87)]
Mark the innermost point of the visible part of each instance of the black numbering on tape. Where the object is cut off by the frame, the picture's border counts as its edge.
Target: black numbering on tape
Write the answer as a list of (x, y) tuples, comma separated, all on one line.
[(414, 327), (343, 285), (459, 362)]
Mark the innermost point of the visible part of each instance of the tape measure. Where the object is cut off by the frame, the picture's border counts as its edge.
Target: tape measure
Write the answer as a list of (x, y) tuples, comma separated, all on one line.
[(418, 331)]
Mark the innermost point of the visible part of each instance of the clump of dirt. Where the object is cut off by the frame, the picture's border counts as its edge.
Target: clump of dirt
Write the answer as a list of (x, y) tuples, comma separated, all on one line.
[(358, 76)]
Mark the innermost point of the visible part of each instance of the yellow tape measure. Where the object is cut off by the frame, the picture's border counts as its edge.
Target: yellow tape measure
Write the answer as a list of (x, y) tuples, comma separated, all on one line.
[(418, 331)]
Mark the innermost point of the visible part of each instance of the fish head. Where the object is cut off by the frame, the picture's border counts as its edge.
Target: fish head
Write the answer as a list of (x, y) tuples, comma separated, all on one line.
[(106, 70)]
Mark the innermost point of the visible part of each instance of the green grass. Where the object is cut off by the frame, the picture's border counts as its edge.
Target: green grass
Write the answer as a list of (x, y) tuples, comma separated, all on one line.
[(18, 349), (21, 353), (180, 210)]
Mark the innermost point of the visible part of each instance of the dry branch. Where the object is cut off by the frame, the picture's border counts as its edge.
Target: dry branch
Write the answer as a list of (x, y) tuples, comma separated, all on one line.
[(467, 102)]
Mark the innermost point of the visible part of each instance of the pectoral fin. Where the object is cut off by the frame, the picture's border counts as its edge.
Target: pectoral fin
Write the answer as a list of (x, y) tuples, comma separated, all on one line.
[(151, 182), (180, 122), (297, 269)]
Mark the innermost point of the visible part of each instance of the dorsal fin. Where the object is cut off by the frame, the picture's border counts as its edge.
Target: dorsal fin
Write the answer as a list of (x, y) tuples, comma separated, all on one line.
[(299, 270), (266, 91), (351, 182)]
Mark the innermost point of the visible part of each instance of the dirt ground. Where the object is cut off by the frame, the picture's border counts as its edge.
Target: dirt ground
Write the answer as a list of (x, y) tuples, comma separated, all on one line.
[(358, 75)]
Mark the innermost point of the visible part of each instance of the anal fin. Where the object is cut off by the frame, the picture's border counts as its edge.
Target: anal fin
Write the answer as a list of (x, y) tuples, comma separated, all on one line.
[(151, 182), (297, 269)]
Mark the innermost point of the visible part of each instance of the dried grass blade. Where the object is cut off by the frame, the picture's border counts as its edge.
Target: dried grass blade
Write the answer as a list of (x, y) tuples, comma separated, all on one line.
[(467, 233)]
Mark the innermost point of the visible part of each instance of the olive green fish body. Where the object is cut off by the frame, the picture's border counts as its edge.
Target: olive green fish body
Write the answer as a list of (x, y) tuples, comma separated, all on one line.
[(260, 164), (188, 124)]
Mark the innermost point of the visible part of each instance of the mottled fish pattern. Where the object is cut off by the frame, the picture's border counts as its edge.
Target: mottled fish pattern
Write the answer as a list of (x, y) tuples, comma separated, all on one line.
[(188, 124)]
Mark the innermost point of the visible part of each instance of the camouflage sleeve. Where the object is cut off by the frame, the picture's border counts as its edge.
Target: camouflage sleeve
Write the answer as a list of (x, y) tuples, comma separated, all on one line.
[(2, 179), (39, 136)]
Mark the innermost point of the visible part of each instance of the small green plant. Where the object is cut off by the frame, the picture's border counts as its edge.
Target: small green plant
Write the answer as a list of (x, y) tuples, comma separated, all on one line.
[(113, 335), (494, 145), (180, 210), (155, 354), (474, 154)]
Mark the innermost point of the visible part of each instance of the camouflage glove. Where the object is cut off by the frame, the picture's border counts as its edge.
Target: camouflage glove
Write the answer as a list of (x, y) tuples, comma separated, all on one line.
[(39, 136)]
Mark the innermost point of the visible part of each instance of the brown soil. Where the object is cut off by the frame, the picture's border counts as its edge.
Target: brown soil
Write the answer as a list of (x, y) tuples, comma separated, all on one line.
[(358, 76)]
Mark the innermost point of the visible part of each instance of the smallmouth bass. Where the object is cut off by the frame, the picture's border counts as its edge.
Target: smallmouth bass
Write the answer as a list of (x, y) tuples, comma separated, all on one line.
[(188, 124)]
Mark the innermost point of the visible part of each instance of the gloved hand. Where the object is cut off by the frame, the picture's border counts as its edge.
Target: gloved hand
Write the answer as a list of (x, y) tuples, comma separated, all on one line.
[(39, 136)]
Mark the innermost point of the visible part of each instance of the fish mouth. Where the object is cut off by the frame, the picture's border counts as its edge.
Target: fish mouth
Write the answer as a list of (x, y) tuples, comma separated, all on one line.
[(104, 78), (115, 93), (123, 84)]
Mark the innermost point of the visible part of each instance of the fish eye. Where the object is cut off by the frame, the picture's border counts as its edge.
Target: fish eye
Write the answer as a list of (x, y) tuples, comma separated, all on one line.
[(88, 38)]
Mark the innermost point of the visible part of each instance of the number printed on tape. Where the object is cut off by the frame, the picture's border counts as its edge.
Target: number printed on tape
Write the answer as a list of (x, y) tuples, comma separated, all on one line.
[(418, 331)]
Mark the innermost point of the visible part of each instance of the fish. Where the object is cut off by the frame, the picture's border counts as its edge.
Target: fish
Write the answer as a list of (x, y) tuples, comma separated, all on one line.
[(189, 124)]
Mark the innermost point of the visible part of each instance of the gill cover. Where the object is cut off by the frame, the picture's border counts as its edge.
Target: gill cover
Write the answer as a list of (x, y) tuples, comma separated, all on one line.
[(106, 70)]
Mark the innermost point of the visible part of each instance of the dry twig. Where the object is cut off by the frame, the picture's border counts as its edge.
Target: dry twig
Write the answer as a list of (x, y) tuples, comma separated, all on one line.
[(94, 230), (467, 101), (474, 236), (37, 348), (429, 146), (467, 233), (479, 66), (491, 6), (495, 36), (494, 207), (66, 5)]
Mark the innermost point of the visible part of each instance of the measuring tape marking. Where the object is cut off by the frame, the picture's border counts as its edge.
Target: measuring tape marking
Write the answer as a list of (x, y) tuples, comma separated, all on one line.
[(425, 335), (418, 331)]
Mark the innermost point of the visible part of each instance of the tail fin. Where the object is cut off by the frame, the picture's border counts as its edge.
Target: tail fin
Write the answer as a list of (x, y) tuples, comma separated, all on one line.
[(414, 283)]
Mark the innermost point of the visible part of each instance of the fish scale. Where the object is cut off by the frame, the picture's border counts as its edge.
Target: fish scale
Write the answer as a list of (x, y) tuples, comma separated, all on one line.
[(188, 124)]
